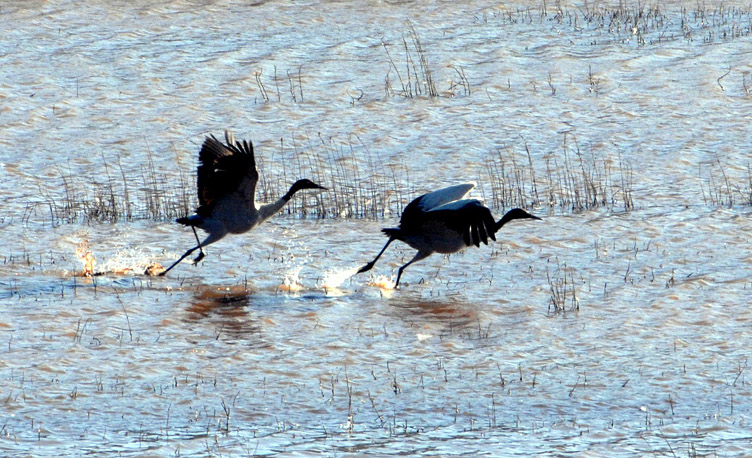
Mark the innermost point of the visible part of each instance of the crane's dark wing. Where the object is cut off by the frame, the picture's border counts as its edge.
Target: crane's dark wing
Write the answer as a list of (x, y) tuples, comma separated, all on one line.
[(225, 169), (412, 213), (433, 200), (471, 220)]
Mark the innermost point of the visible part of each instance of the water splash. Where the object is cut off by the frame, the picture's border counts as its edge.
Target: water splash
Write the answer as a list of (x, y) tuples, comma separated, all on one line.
[(382, 281), (86, 257), (123, 262), (130, 261), (334, 278), (291, 283)]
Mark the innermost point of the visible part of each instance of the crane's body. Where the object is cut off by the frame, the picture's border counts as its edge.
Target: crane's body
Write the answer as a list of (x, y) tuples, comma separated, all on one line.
[(227, 178), (443, 222)]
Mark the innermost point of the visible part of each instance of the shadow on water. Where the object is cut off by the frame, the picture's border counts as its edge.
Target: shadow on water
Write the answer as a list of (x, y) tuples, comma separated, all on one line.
[(228, 309), (447, 315)]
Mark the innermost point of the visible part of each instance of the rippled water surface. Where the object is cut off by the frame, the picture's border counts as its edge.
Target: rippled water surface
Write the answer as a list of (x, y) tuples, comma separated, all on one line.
[(618, 325)]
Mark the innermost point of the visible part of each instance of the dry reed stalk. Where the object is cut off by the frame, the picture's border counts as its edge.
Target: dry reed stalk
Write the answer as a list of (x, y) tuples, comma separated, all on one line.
[(563, 291), (418, 78), (718, 188), (574, 181)]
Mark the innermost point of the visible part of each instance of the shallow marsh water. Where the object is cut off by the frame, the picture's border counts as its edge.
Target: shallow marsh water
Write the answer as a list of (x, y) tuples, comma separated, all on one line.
[(268, 347)]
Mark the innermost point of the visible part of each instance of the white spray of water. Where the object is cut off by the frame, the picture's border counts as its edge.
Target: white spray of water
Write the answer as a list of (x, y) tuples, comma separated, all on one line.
[(334, 278), (291, 283), (127, 260), (382, 281)]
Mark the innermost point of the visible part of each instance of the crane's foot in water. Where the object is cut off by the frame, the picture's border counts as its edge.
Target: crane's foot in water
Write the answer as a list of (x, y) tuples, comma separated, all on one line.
[(366, 267)]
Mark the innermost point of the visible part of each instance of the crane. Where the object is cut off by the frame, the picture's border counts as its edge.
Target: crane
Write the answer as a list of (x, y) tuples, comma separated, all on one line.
[(443, 221), (227, 178)]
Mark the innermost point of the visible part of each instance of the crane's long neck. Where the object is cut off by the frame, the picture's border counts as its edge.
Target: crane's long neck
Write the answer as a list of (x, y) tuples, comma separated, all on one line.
[(504, 219), (291, 192), (515, 213), (267, 211)]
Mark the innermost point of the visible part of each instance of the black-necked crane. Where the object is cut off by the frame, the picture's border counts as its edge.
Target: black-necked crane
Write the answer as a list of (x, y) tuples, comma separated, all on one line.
[(443, 222), (227, 178)]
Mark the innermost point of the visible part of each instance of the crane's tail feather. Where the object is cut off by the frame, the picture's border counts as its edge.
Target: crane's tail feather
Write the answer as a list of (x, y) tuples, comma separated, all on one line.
[(194, 220), (391, 231)]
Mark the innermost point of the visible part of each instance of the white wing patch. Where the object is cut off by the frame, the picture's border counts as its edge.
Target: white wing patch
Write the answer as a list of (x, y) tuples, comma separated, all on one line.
[(435, 199), (456, 205)]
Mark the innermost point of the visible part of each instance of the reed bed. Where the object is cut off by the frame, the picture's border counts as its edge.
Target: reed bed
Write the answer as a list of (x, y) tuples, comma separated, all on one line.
[(637, 23), (361, 184), (116, 194), (722, 185), (568, 179)]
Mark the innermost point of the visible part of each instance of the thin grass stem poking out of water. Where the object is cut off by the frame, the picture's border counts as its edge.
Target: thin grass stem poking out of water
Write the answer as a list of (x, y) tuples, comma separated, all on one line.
[(563, 290), (569, 179), (416, 77), (723, 185)]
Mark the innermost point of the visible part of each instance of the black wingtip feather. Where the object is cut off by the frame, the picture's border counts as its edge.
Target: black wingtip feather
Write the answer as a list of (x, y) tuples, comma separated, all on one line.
[(474, 232), (483, 234)]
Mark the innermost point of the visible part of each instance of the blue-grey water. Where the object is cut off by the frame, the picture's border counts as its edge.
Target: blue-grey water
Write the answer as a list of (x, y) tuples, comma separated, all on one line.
[(619, 325)]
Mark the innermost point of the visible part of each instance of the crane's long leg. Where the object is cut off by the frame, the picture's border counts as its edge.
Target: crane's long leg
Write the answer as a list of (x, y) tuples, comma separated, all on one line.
[(418, 256), (183, 257), (200, 251), (370, 265), (213, 237)]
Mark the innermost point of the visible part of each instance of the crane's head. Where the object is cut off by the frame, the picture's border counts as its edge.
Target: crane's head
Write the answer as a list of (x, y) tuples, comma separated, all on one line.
[(518, 213), (305, 183), (302, 184), (515, 213)]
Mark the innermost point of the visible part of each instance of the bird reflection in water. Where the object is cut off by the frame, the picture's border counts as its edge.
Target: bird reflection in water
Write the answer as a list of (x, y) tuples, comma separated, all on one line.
[(225, 307), (440, 318)]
